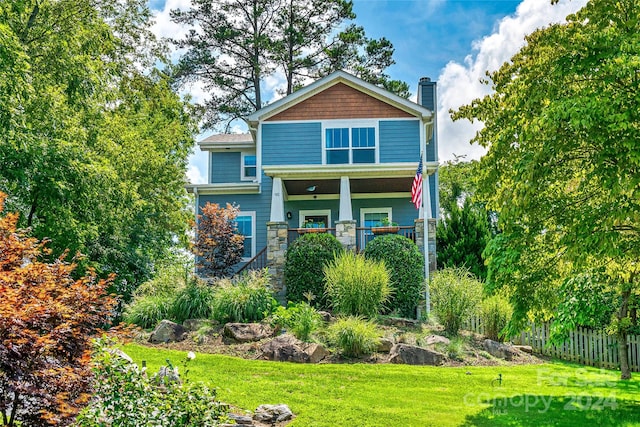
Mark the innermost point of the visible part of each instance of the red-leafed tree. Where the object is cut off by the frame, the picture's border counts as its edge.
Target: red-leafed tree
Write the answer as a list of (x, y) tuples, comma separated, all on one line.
[(218, 247), (47, 319)]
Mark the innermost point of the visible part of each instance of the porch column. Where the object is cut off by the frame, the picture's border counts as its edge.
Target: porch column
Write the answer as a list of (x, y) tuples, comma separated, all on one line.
[(277, 201), (345, 200), (277, 240)]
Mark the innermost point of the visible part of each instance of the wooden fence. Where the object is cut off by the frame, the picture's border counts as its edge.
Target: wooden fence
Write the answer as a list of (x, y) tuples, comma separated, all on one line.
[(585, 346)]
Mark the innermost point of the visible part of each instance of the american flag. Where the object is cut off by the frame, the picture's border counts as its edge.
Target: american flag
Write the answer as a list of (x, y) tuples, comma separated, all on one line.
[(416, 187)]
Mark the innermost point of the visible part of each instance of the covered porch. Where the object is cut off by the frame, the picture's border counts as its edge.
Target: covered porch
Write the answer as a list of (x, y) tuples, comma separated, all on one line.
[(348, 201)]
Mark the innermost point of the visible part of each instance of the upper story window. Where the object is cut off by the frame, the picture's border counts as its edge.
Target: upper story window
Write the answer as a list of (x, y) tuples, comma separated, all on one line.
[(249, 168), (350, 144)]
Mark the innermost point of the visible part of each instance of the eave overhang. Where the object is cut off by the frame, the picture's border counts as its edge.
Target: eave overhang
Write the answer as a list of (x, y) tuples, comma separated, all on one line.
[(382, 170), (226, 188)]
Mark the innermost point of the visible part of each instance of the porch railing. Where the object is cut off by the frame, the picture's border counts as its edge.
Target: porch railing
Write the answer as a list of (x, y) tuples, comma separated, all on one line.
[(363, 234), (258, 262)]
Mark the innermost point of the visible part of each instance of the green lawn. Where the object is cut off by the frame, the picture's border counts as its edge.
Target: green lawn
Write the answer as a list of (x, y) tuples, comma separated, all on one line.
[(554, 394)]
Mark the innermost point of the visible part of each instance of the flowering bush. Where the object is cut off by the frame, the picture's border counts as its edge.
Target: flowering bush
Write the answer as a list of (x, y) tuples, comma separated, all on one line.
[(125, 396)]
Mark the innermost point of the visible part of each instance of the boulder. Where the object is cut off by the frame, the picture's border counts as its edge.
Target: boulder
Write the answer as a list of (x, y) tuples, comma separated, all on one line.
[(500, 350), (247, 332), (315, 351), (287, 348), (413, 355), (384, 345), (167, 331), (437, 339), (273, 413)]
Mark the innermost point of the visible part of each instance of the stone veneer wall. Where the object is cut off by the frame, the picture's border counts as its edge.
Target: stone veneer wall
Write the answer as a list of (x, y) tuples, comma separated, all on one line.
[(277, 241), (346, 234)]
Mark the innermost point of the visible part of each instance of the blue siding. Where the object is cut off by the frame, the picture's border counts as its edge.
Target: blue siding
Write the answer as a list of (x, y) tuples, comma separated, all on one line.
[(260, 203), (399, 141), (291, 143), (225, 167)]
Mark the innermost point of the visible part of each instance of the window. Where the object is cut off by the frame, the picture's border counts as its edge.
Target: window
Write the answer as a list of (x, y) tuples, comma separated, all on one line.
[(315, 218), (249, 168), (347, 145), (245, 225), (371, 217)]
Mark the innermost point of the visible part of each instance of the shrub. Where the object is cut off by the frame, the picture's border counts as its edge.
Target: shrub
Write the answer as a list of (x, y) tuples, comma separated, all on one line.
[(355, 285), (126, 396), (246, 299), (303, 269), (495, 313), (354, 336), (218, 246), (300, 319), (147, 311), (172, 275), (192, 302), (406, 265), (455, 296), (47, 318)]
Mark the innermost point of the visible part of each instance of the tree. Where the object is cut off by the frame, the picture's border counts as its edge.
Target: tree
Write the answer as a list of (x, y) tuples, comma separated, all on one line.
[(466, 226), (462, 237), (235, 45), (563, 166), (46, 321), (94, 147), (218, 248)]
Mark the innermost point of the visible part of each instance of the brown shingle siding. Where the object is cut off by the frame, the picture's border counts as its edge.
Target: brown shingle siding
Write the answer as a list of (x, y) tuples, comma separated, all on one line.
[(339, 102)]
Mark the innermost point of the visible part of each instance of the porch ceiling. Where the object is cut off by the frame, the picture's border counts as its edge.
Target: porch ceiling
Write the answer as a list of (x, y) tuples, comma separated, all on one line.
[(332, 186)]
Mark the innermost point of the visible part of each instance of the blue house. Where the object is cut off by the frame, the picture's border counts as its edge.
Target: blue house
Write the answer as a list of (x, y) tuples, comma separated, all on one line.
[(338, 156)]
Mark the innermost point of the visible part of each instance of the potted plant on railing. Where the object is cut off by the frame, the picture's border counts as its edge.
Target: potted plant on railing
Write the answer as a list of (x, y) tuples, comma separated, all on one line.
[(310, 226), (386, 227)]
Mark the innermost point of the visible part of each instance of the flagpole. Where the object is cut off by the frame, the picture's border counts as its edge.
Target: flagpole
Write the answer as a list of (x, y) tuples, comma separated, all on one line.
[(426, 209)]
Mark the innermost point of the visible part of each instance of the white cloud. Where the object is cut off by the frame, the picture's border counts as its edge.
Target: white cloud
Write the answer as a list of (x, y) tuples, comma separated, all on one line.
[(459, 84), (196, 174), (163, 26)]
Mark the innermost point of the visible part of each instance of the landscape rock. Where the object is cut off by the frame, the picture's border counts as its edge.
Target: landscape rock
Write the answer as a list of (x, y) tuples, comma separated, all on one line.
[(287, 348), (437, 339), (384, 345), (400, 322), (167, 331), (316, 352), (241, 419), (247, 332), (326, 316), (413, 355), (499, 350), (524, 348), (273, 413)]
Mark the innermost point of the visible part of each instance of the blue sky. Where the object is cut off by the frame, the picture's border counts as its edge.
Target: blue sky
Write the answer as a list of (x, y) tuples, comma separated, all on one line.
[(452, 41)]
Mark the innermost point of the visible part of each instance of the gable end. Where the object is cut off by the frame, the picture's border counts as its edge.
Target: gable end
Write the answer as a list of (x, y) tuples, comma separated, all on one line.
[(340, 101)]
